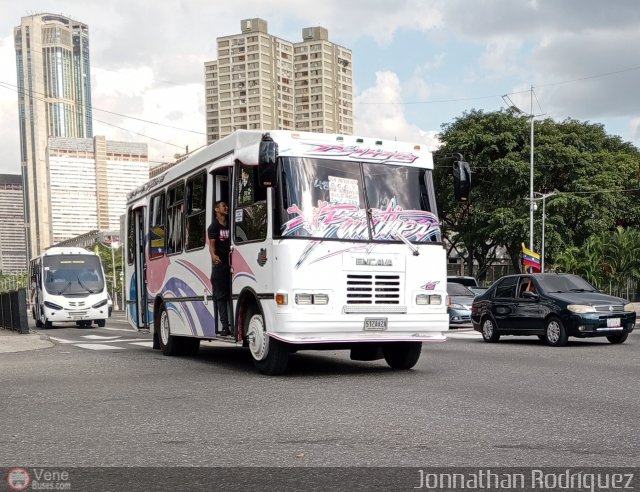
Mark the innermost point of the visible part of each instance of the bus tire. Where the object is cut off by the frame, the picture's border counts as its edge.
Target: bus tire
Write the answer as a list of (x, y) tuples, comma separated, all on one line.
[(169, 344), (101, 323), (47, 325), (402, 355), (189, 346), (270, 356)]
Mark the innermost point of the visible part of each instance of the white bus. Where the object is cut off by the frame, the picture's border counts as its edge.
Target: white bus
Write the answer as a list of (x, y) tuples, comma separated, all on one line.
[(335, 244), (67, 285)]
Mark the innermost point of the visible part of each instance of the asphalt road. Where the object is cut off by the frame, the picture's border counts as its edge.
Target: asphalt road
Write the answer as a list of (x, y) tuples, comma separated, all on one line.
[(466, 403)]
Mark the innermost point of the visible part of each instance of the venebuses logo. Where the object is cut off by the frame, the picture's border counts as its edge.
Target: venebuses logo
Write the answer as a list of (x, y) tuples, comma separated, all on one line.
[(18, 479)]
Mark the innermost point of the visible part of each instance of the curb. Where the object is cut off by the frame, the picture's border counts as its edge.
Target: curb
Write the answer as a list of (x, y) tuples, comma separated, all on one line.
[(15, 342)]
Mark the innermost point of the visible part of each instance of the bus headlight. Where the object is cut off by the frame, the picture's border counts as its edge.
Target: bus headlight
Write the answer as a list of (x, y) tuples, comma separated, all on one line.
[(427, 299), (52, 305), (100, 304), (309, 299)]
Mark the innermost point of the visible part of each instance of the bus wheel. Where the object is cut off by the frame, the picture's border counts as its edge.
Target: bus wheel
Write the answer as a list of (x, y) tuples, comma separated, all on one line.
[(270, 356), (402, 355), (101, 323), (168, 342)]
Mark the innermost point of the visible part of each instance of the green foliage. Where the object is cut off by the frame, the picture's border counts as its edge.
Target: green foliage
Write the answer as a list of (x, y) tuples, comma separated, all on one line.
[(576, 160), (609, 260)]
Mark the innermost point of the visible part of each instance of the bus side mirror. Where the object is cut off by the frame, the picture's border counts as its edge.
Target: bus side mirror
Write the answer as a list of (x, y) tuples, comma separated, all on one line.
[(461, 179), (267, 161)]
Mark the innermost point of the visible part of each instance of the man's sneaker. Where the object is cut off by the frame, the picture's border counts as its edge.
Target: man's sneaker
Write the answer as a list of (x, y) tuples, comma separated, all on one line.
[(225, 333)]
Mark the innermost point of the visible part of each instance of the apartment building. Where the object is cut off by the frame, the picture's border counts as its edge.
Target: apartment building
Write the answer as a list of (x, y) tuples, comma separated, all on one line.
[(260, 81), (13, 253), (89, 182)]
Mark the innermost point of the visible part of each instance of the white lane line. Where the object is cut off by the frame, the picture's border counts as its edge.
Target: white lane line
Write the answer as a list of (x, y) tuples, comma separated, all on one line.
[(62, 340), (97, 346), (99, 337), (130, 330), (465, 334), (143, 344)]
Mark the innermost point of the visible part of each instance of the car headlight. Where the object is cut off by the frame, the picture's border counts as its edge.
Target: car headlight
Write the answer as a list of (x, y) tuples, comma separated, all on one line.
[(457, 306), (628, 308), (581, 308)]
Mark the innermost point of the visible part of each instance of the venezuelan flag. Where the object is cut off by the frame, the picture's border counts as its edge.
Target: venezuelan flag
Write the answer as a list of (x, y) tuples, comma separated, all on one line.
[(530, 259)]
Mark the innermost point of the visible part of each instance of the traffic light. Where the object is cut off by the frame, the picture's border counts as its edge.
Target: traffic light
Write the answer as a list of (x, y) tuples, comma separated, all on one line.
[(461, 179)]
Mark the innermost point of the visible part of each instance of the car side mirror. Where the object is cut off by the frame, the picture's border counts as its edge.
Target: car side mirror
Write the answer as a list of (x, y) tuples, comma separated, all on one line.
[(530, 295)]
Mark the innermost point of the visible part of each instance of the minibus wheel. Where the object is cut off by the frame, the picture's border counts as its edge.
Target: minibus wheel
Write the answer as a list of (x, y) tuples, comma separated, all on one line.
[(402, 355), (270, 356), (168, 342)]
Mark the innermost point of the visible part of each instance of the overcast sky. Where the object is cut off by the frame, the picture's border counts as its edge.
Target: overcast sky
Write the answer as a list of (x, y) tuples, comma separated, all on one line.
[(417, 63)]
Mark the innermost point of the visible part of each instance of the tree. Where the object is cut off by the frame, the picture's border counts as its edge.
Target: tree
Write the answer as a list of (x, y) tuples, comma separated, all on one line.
[(577, 160)]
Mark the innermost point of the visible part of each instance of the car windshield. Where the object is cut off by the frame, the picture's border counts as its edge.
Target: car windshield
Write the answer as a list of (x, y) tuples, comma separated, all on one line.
[(454, 289), (332, 199), (565, 283)]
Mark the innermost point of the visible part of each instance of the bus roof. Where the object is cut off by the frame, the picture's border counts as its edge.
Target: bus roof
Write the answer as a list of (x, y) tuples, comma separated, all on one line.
[(66, 250), (243, 145)]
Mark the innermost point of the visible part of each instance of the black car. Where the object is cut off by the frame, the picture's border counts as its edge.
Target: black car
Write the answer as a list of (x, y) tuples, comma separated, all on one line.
[(553, 306)]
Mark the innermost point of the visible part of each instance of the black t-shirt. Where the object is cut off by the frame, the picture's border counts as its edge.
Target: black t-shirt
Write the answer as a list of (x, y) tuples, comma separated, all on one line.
[(220, 233)]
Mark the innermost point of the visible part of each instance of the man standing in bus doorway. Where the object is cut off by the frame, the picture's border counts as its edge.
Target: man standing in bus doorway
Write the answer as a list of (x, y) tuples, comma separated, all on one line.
[(220, 247)]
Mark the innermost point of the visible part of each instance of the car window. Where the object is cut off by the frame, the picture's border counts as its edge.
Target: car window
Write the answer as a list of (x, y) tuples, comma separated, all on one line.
[(565, 283), (454, 289), (526, 285), (507, 287)]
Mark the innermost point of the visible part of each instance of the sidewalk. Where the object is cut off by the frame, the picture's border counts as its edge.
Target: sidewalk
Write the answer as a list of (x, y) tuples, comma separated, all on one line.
[(12, 341)]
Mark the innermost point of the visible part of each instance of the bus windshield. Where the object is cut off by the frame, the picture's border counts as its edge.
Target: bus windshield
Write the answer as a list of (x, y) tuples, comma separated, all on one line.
[(332, 199), (72, 274)]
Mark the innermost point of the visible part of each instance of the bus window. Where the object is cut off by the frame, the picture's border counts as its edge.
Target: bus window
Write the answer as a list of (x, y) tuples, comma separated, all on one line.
[(250, 219), (175, 207), (157, 226), (196, 221)]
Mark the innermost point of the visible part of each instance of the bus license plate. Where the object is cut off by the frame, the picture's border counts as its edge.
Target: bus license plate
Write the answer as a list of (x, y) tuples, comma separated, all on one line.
[(613, 322), (375, 324)]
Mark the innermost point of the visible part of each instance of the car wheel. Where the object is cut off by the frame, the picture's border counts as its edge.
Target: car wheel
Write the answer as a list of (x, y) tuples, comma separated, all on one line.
[(402, 355), (616, 339), (270, 356), (555, 333), (489, 330)]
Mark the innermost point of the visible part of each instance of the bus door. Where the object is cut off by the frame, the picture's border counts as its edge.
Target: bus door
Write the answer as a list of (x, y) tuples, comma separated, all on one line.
[(252, 253), (137, 289), (219, 191)]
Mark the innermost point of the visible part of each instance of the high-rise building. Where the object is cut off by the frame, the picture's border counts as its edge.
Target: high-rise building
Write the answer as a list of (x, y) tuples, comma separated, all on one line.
[(89, 181), (13, 255), (54, 100), (260, 81)]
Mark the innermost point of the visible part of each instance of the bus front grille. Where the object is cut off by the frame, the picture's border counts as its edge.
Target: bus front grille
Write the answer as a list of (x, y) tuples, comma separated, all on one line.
[(373, 289)]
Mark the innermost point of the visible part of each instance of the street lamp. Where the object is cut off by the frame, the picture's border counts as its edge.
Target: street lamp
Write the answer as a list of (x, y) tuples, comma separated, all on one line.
[(531, 116), (543, 197)]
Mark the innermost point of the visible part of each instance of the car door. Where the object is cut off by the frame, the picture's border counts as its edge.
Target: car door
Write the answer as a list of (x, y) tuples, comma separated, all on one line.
[(528, 312), (504, 302)]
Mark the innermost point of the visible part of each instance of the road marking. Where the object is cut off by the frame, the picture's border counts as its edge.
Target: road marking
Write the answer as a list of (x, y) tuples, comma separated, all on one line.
[(142, 344), (62, 340), (465, 334), (99, 337), (129, 330), (98, 346)]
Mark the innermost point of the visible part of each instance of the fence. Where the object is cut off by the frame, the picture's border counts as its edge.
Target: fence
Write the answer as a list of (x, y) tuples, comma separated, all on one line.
[(13, 311)]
